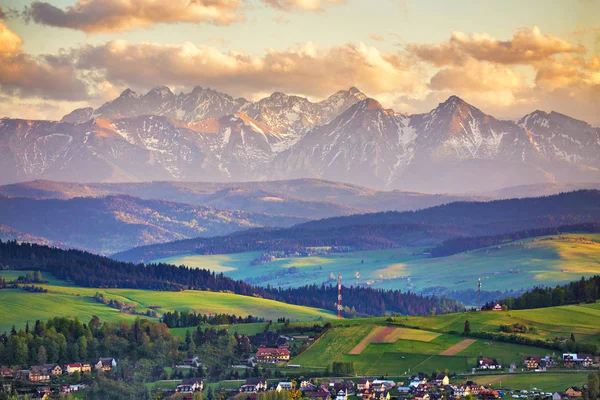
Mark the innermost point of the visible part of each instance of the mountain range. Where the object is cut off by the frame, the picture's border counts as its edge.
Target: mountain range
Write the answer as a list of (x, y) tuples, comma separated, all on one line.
[(205, 135), (427, 227)]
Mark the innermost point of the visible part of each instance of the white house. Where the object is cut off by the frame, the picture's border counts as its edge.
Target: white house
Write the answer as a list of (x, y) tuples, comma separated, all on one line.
[(284, 386)]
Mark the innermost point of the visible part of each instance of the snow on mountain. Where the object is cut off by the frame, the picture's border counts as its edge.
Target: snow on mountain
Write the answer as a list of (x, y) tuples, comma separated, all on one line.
[(205, 135), (362, 145)]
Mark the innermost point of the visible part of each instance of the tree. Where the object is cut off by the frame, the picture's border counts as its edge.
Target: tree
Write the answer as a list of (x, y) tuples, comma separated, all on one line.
[(467, 329), (572, 337), (42, 356), (593, 387)]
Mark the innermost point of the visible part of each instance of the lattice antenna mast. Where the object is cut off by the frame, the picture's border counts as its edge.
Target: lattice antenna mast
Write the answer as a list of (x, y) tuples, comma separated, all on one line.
[(339, 304), (479, 294)]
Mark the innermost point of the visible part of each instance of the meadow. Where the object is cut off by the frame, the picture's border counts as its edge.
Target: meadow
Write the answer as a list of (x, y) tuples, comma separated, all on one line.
[(517, 265), (406, 356), (18, 306)]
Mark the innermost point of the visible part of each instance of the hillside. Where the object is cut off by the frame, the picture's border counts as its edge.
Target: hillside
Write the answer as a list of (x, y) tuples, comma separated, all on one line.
[(18, 306), (505, 269), (92, 271), (429, 344), (110, 224), (426, 227)]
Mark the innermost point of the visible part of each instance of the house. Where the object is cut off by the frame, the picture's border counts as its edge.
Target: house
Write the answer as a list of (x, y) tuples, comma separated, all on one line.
[(559, 396), (403, 389), (368, 394), (488, 363), (77, 387), (441, 380), (489, 394), (272, 356), (189, 363), (53, 369), (461, 391), (342, 395), (570, 359), (318, 395), (22, 375), (573, 391), (586, 360), (533, 362), (383, 396), (6, 372), (497, 307), (421, 396), (417, 380), (549, 362), (385, 384), (72, 368), (254, 385), (65, 388), (105, 364), (284, 386), (38, 374), (86, 367), (363, 384), (196, 383)]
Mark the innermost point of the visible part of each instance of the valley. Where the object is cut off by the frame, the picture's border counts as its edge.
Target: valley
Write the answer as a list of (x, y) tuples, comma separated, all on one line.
[(515, 266)]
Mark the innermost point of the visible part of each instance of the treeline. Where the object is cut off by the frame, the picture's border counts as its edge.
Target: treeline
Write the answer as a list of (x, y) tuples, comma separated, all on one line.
[(89, 270), (186, 319), (581, 291), (64, 340), (395, 229), (462, 244)]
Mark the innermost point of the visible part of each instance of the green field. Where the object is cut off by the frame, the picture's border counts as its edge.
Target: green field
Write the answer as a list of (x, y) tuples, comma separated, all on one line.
[(548, 382), (406, 356), (517, 265), (414, 353), (17, 306)]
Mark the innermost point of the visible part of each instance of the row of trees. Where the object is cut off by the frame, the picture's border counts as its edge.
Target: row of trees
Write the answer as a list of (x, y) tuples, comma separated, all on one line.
[(89, 270), (581, 291), (186, 319)]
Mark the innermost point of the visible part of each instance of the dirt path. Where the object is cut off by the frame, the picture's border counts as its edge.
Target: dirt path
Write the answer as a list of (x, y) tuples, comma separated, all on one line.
[(457, 348), (381, 336), (366, 340)]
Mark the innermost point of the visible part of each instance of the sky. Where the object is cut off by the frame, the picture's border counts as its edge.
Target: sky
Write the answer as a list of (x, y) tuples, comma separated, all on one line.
[(507, 57)]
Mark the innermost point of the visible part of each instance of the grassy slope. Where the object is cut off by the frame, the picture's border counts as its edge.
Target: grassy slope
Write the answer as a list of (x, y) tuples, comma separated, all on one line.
[(540, 261), (415, 355), (17, 306)]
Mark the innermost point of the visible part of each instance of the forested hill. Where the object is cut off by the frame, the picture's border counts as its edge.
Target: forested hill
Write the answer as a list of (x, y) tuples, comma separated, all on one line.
[(89, 270), (460, 245), (427, 227)]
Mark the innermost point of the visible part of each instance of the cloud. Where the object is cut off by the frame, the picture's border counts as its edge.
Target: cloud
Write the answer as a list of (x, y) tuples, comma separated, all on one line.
[(527, 45), (376, 38), (477, 76), (94, 16), (303, 5), (305, 69), (48, 77)]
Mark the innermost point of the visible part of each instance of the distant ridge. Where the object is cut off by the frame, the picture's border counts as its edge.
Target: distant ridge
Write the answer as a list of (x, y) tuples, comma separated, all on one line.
[(206, 135)]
